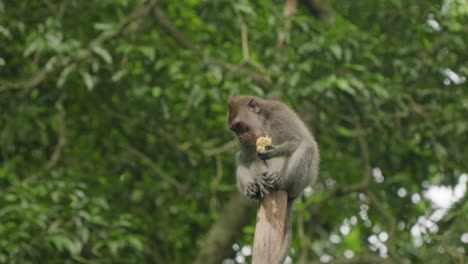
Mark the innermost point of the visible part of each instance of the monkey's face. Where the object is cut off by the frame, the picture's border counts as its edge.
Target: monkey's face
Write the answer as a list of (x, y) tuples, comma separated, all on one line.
[(244, 119)]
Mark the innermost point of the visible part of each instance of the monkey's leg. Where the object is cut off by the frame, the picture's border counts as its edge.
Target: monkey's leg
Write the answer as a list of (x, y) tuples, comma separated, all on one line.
[(246, 183), (247, 178), (299, 171)]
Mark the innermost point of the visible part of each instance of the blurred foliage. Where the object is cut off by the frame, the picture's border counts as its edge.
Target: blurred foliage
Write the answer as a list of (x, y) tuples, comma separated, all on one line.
[(112, 127)]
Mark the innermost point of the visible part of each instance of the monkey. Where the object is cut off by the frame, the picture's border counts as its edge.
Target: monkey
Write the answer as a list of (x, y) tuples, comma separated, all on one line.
[(290, 163)]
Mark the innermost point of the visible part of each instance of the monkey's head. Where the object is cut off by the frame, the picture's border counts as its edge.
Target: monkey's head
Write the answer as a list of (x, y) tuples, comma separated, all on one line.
[(245, 118)]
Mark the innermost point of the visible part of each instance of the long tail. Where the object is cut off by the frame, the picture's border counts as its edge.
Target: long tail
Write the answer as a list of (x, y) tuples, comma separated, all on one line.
[(287, 234)]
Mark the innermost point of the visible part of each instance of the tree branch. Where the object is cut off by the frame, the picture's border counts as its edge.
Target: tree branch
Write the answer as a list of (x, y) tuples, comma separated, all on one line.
[(61, 142), (391, 222), (138, 14), (180, 187), (35, 80), (228, 147), (289, 9), (320, 9), (366, 173), (175, 33), (363, 258), (171, 30), (238, 212), (260, 79)]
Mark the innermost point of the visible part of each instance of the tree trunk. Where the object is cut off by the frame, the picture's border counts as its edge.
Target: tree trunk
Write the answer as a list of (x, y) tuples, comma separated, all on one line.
[(218, 245), (270, 229)]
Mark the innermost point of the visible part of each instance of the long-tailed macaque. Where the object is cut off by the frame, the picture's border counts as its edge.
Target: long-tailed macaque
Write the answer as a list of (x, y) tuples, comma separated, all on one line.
[(290, 163)]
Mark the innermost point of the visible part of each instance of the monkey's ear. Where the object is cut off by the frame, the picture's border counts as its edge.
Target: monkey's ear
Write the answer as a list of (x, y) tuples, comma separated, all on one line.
[(254, 106)]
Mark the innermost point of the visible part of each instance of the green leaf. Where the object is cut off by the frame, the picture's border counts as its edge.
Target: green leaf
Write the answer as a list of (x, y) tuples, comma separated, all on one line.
[(343, 85), (103, 26), (336, 51), (88, 79), (104, 54), (148, 51), (352, 241), (136, 243), (156, 91), (64, 75)]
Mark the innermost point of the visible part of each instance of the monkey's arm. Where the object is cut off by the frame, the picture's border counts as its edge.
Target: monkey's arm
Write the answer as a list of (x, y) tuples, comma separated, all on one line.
[(248, 178), (286, 148), (301, 169)]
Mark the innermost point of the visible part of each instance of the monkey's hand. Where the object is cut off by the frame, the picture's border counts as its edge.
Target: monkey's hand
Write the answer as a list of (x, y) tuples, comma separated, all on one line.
[(253, 191), (269, 152), (270, 181)]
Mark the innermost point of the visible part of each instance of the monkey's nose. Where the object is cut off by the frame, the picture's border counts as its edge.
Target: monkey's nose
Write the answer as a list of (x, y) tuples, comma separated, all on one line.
[(236, 127), (239, 128)]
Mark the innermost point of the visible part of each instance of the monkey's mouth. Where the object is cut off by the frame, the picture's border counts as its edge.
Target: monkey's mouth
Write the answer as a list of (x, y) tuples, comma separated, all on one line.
[(241, 137), (246, 139)]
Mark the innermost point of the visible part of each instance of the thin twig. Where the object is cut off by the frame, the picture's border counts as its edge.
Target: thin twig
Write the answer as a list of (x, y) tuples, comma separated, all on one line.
[(180, 187), (49, 67), (389, 219), (289, 9), (170, 29), (62, 9), (236, 69), (364, 146), (62, 141), (360, 259), (366, 173), (228, 147), (35, 80), (219, 174), (245, 41)]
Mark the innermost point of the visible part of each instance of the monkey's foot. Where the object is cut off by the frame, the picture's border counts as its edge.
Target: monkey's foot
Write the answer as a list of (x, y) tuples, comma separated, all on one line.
[(263, 189), (270, 180), (253, 191)]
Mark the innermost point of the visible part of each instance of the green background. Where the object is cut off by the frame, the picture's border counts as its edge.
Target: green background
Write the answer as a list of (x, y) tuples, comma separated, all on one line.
[(114, 146)]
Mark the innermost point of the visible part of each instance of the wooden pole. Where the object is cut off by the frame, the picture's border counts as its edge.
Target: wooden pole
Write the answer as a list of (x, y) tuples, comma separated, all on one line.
[(270, 228)]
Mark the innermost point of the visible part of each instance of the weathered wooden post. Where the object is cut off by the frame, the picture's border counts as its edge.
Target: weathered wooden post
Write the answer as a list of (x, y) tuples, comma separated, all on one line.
[(270, 228)]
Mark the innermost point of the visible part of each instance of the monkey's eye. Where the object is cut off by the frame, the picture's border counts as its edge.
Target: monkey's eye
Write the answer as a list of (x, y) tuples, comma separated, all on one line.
[(252, 103)]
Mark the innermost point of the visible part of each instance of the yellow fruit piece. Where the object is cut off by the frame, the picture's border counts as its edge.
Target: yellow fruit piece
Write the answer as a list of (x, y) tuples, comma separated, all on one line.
[(262, 142)]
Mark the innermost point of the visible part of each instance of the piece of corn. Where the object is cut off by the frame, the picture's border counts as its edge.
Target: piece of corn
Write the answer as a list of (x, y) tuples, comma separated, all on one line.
[(262, 142)]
